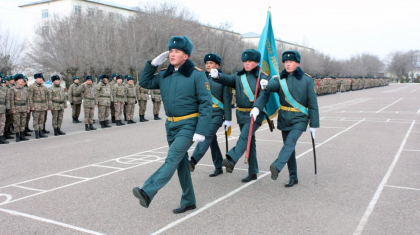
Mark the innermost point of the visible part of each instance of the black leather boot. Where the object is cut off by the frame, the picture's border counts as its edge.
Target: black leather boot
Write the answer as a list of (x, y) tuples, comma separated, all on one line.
[(42, 135), (26, 133), (118, 122), (157, 117), (141, 118), (91, 127), (17, 137), (45, 131), (3, 140), (74, 120), (87, 127), (121, 123), (23, 137), (55, 132), (102, 124), (145, 119), (36, 134), (28, 130), (60, 132), (77, 120), (113, 119)]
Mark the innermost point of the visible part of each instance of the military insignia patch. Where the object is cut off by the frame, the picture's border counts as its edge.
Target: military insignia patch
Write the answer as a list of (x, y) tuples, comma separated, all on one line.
[(207, 86), (197, 68)]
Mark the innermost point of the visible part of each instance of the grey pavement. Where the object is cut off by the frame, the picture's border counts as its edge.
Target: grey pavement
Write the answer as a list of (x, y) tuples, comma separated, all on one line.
[(368, 154)]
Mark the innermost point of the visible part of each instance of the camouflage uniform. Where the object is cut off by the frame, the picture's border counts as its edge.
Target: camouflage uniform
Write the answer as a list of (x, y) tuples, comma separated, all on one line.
[(131, 100), (112, 84), (9, 115), (19, 105), (38, 103), (104, 100), (157, 101), (4, 105), (75, 101), (89, 101), (28, 117), (57, 102), (119, 97), (143, 96)]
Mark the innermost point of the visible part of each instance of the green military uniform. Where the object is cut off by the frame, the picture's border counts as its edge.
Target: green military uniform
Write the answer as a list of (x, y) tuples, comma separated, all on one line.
[(112, 84), (104, 100), (142, 96), (131, 100), (187, 103), (28, 117), (119, 97), (9, 115), (75, 100), (243, 81), (20, 108), (38, 103), (291, 121), (89, 102), (57, 102), (157, 102), (4, 107)]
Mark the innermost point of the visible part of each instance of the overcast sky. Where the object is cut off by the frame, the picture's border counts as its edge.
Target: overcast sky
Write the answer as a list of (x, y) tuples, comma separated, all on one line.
[(340, 28)]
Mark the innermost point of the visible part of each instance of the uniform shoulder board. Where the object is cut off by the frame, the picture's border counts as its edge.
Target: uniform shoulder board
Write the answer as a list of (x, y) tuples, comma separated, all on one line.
[(308, 75), (197, 68), (163, 69)]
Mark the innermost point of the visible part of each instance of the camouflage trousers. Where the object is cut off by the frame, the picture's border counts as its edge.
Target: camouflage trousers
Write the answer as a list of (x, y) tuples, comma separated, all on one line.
[(28, 118), (103, 112), (9, 121), (142, 106), (129, 111), (2, 123), (45, 117), (156, 107), (119, 107), (112, 109), (89, 113), (19, 121), (75, 110), (57, 118), (38, 121), (125, 112)]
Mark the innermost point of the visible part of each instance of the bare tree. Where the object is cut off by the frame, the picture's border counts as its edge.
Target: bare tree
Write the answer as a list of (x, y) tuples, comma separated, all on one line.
[(10, 51)]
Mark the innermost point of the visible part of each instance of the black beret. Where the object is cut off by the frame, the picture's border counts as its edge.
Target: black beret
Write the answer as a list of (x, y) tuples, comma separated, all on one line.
[(213, 57), (18, 76), (181, 43), (251, 55), (55, 77), (290, 55)]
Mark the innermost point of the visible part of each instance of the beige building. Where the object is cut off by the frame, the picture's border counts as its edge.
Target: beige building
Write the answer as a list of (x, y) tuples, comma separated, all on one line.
[(281, 45)]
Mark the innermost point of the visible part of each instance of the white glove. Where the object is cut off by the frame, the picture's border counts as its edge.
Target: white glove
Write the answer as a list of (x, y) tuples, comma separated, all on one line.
[(254, 113), (227, 124), (160, 59), (214, 73), (312, 130), (198, 138), (263, 83)]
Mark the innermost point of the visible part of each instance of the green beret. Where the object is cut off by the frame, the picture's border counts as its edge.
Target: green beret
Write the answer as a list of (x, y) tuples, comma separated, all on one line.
[(127, 75), (213, 57), (129, 78), (55, 77), (38, 75), (120, 77), (251, 55), (88, 77), (8, 78), (3, 80), (181, 43), (18, 76), (290, 55), (102, 76), (76, 78), (114, 75)]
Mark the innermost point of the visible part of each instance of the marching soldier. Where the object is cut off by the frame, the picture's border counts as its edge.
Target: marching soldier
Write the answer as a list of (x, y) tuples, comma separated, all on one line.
[(299, 107), (75, 99), (4, 107), (157, 101), (104, 100), (222, 110), (245, 82), (89, 101), (112, 84), (119, 97), (38, 103), (131, 100), (28, 117), (187, 102), (9, 115), (19, 106), (57, 102), (143, 96)]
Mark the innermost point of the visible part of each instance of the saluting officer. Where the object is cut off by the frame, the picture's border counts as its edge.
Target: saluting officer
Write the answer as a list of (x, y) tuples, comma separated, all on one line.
[(89, 102), (222, 110), (187, 102)]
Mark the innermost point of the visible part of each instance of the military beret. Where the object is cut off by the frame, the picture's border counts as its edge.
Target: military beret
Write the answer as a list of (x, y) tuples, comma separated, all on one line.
[(129, 78), (38, 75), (119, 77), (181, 43), (18, 76), (102, 76), (76, 78), (290, 55), (3, 80), (251, 55), (8, 78), (55, 77), (114, 75), (127, 75), (88, 77), (213, 57)]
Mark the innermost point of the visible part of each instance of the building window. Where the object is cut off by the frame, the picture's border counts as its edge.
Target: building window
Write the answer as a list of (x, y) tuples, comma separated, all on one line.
[(77, 10), (91, 12), (119, 17), (45, 30), (44, 14)]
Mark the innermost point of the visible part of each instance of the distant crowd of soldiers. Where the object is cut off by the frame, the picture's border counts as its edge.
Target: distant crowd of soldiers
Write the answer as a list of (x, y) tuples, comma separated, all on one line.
[(332, 85), (116, 97)]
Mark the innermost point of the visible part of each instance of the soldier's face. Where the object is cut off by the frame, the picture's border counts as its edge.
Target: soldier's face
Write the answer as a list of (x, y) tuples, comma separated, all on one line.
[(89, 82), (56, 82), (211, 65), (20, 82), (177, 57), (12, 82), (130, 82), (250, 65), (76, 81), (105, 80), (290, 66), (38, 80), (119, 81)]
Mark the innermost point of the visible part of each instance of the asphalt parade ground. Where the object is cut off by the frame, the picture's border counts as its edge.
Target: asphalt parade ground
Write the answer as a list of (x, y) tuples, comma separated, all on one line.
[(368, 155)]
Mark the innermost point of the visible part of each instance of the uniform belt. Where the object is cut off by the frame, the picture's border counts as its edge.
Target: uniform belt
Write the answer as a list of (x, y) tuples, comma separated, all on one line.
[(104, 96), (131, 97), (89, 98), (120, 96), (290, 109), (77, 95), (39, 101), (177, 119), (58, 102), (21, 104), (244, 109)]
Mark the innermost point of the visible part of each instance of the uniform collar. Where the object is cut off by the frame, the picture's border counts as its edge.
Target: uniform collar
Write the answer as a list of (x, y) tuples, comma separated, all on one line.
[(298, 73), (253, 71), (185, 69)]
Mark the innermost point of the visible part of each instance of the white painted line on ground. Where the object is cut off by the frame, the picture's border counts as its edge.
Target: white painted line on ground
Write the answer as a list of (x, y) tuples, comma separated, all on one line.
[(110, 167), (411, 150), (208, 205), (28, 188), (72, 176), (415, 89), (388, 120), (388, 105), (378, 192), (16, 213), (348, 105), (342, 119), (392, 186), (418, 111)]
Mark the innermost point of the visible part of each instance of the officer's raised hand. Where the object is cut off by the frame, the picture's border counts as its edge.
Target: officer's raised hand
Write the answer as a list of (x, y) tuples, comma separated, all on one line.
[(263, 84), (214, 73), (198, 138), (160, 59)]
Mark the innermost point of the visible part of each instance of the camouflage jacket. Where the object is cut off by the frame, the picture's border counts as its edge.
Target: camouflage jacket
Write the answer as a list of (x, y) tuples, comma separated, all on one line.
[(155, 94), (88, 94), (131, 94), (38, 97), (19, 99), (119, 93), (142, 93), (103, 94), (74, 98), (57, 98), (4, 99)]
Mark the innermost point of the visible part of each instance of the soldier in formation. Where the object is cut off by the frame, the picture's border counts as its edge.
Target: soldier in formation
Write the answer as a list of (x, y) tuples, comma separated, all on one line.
[(131, 100), (75, 99), (89, 102), (157, 101), (143, 96), (38, 103), (104, 100), (119, 97), (57, 103), (19, 106), (4, 107)]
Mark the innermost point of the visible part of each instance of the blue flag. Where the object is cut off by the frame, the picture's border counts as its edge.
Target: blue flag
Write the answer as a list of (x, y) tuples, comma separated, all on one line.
[(269, 63)]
